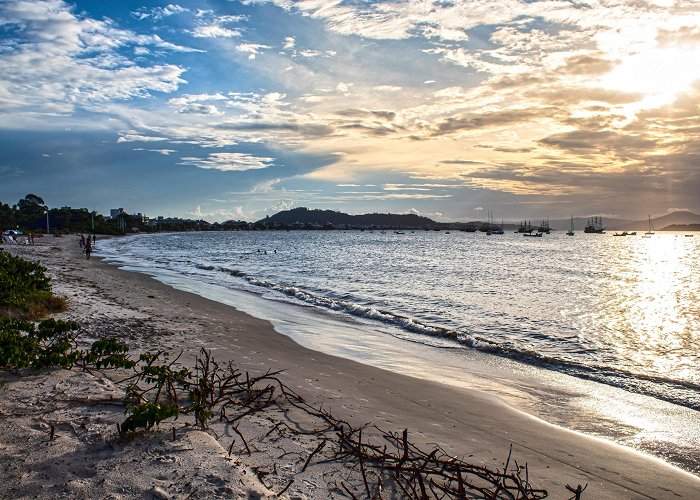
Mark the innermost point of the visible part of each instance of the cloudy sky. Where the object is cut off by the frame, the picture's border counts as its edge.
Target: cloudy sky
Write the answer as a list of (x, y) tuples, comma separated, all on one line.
[(240, 108)]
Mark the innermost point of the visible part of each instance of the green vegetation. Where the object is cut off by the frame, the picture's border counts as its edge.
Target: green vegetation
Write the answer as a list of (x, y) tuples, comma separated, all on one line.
[(52, 344), (25, 290), (29, 214)]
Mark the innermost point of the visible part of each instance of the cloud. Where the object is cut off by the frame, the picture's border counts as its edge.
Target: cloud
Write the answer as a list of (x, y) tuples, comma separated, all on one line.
[(157, 13), (236, 162), (237, 212), (387, 88), (165, 152), (683, 36), (134, 137), (199, 109), (289, 43), (587, 64), (474, 121), (56, 61), (213, 31), (251, 48), (216, 27), (343, 87), (597, 141)]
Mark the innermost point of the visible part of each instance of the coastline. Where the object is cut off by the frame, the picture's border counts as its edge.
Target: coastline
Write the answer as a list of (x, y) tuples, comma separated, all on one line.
[(465, 422)]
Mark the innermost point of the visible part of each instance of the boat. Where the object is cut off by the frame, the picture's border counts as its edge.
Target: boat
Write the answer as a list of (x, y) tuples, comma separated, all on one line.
[(570, 232), (594, 225), (651, 228), (623, 233), (536, 235), (689, 235), (494, 228), (544, 227), (399, 232), (469, 228), (525, 227)]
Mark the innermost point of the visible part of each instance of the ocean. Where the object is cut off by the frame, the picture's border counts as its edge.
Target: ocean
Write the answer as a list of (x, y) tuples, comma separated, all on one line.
[(614, 317)]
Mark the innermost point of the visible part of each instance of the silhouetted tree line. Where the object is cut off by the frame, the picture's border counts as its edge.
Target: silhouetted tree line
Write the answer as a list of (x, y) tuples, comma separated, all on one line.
[(29, 214)]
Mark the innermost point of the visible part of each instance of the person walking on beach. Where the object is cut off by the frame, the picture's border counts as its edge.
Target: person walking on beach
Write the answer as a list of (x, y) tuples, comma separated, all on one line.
[(82, 240), (88, 248), (94, 239)]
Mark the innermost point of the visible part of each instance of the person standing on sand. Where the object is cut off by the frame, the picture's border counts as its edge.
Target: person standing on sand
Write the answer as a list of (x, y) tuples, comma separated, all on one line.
[(82, 240), (88, 248), (94, 239)]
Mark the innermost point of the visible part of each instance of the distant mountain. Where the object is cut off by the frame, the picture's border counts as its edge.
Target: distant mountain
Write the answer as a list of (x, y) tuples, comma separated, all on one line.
[(682, 227), (659, 223), (316, 217), (304, 217), (613, 224)]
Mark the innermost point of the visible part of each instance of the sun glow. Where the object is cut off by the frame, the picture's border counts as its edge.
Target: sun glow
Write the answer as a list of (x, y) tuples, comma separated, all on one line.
[(659, 74)]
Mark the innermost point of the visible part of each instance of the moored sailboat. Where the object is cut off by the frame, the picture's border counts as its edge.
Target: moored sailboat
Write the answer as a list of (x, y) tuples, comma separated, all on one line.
[(594, 225), (570, 232), (651, 227)]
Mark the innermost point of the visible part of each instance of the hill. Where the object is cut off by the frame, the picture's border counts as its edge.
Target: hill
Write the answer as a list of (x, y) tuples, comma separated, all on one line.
[(299, 217), (659, 223), (612, 224), (682, 227)]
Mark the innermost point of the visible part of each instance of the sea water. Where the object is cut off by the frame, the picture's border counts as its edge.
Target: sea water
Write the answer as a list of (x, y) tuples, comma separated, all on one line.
[(606, 313)]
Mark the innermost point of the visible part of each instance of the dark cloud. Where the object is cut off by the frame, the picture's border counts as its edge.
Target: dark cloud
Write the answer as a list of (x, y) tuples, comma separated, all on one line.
[(377, 131), (307, 130), (198, 109), (361, 113), (602, 141), (462, 162), (474, 121), (595, 122), (504, 149), (574, 95), (592, 64), (508, 82)]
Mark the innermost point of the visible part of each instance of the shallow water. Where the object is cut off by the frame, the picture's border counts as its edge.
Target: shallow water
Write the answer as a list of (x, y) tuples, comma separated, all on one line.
[(621, 311)]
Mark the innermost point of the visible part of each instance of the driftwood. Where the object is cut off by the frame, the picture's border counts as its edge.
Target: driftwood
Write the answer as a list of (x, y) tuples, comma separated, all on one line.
[(387, 461)]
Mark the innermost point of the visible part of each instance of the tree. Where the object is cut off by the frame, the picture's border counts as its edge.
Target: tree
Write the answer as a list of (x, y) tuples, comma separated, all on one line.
[(32, 205)]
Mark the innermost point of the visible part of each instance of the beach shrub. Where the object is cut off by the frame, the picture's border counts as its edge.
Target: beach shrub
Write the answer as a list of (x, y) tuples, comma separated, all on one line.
[(25, 289), (147, 415), (51, 343)]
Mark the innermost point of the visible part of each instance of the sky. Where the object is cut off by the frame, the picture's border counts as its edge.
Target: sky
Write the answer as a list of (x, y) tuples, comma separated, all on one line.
[(236, 109)]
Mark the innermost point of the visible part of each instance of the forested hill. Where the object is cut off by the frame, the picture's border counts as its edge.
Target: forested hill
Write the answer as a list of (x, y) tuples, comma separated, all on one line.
[(317, 217)]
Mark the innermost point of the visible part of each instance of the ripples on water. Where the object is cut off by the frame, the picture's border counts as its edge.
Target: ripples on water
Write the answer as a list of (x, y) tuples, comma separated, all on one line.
[(623, 311)]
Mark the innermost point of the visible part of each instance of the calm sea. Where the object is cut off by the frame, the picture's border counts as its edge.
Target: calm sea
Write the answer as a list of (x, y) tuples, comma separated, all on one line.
[(622, 311)]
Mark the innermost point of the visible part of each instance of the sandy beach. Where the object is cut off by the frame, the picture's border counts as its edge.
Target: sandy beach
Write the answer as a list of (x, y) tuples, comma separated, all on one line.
[(86, 458)]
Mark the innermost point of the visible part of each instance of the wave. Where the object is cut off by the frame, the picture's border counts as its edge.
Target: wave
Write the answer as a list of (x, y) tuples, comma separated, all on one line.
[(683, 393)]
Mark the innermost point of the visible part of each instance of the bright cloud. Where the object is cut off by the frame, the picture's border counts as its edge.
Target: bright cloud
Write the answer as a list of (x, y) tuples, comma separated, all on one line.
[(229, 162)]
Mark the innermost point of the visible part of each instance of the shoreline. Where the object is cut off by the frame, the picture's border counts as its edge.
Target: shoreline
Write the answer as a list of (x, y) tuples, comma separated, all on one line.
[(662, 429), (465, 422)]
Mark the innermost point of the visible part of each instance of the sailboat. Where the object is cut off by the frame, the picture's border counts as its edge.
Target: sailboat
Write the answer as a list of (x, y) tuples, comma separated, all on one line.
[(595, 225), (651, 228), (570, 232)]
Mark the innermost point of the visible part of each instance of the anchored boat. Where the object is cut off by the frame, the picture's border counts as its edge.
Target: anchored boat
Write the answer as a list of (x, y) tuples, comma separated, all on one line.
[(594, 225)]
